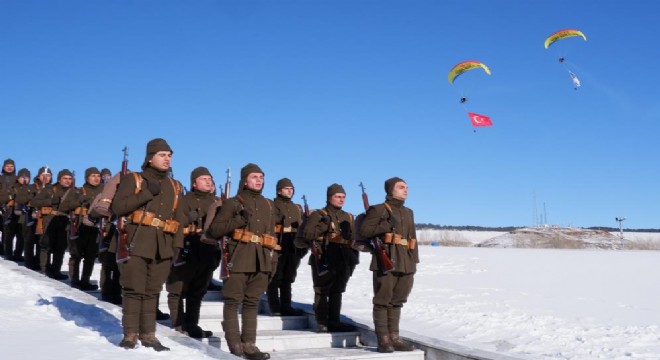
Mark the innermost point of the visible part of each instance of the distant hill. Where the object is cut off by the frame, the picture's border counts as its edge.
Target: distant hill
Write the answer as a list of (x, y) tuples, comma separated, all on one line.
[(423, 226)]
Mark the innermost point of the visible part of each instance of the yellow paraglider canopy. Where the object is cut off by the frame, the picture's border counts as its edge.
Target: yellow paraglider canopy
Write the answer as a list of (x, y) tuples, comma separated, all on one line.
[(562, 34), (466, 66)]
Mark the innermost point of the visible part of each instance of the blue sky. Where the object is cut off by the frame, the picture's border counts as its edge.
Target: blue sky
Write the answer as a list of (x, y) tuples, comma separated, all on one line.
[(350, 91)]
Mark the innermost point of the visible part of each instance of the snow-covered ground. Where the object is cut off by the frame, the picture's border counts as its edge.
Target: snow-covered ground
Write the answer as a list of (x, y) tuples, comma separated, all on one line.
[(531, 303)]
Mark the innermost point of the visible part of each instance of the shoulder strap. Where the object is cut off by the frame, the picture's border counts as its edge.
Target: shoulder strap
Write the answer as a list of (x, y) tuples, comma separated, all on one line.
[(177, 189), (138, 182)]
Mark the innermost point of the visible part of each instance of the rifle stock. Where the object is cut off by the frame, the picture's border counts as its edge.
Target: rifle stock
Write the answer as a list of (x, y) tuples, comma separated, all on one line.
[(317, 253), (225, 268), (123, 251), (384, 262)]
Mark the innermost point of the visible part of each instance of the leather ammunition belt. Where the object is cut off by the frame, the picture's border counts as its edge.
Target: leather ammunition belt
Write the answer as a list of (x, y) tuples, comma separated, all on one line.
[(192, 229), (279, 229), (47, 210), (390, 238), (150, 219), (247, 236), (336, 238), (81, 211)]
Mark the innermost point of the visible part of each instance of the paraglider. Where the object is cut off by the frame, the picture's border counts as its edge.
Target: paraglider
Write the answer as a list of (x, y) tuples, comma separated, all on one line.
[(564, 34), (459, 69)]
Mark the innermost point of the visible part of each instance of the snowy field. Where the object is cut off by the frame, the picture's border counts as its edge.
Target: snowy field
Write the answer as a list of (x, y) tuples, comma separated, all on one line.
[(529, 303)]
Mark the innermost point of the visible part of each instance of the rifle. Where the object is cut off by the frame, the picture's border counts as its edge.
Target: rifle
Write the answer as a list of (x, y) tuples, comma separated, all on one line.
[(317, 253), (123, 250), (225, 269), (384, 261), (73, 217)]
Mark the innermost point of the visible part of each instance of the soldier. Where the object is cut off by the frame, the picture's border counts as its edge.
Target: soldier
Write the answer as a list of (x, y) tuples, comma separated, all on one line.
[(249, 220), (54, 204), (106, 175), (150, 201), (394, 224), (25, 192), (11, 212), (101, 216), (20, 219), (331, 228), (7, 181), (32, 234), (289, 218), (190, 279), (85, 247)]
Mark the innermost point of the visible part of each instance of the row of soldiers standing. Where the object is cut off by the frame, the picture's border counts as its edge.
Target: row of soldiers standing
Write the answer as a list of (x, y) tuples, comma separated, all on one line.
[(38, 217), (178, 240)]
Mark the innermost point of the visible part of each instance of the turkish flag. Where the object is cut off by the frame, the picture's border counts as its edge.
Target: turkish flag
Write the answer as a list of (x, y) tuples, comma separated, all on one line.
[(479, 120)]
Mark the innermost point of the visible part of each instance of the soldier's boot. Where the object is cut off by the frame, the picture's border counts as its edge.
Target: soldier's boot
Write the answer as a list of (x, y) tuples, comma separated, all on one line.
[(193, 307), (177, 315), (150, 340), (129, 341), (273, 299), (393, 318), (382, 331), (334, 309), (285, 302), (88, 268), (160, 316), (74, 272), (56, 266), (252, 352), (321, 313), (44, 262), (232, 334)]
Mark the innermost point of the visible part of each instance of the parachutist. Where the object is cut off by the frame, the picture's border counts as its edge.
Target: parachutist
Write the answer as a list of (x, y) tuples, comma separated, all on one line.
[(463, 100), (561, 59)]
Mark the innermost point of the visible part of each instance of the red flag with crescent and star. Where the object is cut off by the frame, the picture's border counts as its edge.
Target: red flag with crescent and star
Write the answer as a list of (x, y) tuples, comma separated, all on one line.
[(479, 120)]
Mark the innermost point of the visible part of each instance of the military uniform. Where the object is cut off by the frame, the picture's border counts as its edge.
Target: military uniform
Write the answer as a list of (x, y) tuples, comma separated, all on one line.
[(23, 194), (249, 220), (32, 234), (100, 213), (190, 279), (153, 238), (394, 224), (54, 204), (289, 218), (85, 247), (9, 220), (331, 229)]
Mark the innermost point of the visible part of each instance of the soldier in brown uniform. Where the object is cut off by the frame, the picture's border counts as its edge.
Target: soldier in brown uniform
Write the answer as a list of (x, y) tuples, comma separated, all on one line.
[(249, 220), (289, 218), (394, 224), (11, 225), (332, 230), (150, 200), (190, 279), (25, 192), (22, 194), (85, 247), (54, 204), (7, 182), (33, 234)]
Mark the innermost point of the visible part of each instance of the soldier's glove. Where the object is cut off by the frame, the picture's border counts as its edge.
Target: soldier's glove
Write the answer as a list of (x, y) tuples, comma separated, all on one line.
[(242, 218), (396, 222), (153, 186), (295, 225), (345, 229), (192, 216)]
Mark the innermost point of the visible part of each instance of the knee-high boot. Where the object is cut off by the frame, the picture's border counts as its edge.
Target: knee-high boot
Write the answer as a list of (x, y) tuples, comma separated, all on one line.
[(382, 331), (321, 312), (44, 261), (273, 299), (334, 311), (74, 272), (285, 301), (393, 318), (87, 269), (231, 329)]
